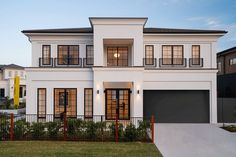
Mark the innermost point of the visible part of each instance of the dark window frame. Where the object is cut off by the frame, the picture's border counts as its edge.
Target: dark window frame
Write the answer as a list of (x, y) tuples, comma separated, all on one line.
[(68, 54), (2, 92), (129, 93), (87, 54), (43, 57), (39, 115), (54, 101), (172, 54), (85, 102), (152, 58), (231, 59), (199, 58), (117, 59)]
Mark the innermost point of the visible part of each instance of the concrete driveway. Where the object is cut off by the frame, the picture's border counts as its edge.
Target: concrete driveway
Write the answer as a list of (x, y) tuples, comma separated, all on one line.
[(194, 140)]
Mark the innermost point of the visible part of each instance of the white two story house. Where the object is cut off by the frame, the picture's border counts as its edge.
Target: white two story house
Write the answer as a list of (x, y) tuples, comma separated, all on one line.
[(119, 66), (7, 75)]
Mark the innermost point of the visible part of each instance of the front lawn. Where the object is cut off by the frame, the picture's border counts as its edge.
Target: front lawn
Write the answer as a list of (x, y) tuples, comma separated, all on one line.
[(77, 149)]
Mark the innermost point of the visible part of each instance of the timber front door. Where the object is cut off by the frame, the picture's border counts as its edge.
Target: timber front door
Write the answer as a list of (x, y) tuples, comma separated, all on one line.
[(117, 102)]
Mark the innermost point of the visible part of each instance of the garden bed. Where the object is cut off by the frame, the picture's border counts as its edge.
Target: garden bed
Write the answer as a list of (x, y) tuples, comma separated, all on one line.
[(74, 130), (230, 128)]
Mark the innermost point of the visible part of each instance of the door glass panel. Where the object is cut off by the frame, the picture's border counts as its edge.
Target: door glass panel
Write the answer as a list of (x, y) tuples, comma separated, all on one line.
[(117, 97)]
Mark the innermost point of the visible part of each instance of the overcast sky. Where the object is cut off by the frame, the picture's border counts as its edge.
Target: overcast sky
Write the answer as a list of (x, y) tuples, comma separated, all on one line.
[(39, 14)]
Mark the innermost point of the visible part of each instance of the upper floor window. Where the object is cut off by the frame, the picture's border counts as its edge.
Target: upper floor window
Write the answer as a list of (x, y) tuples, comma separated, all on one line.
[(232, 61), (68, 55), (117, 56), (9, 73), (22, 74), (149, 55), (46, 54), (172, 55), (196, 54), (16, 73), (219, 66), (89, 54)]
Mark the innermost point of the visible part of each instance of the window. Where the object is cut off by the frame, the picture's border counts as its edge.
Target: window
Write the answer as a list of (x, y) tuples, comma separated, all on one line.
[(172, 54), (232, 61), (41, 102), (117, 56), (89, 54), (21, 92), (46, 54), (68, 55), (16, 73), (65, 100), (9, 73), (22, 74), (88, 103), (149, 55), (2, 92), (219, 66), (196, 55)]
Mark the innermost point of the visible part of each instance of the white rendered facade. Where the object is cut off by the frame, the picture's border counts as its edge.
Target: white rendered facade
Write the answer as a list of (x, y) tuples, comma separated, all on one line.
[(7, 75), (115, 32)]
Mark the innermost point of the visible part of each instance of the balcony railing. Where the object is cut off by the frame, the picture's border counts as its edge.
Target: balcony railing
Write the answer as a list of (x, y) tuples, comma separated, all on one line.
[(68, 62), (149, 62), (88, 62), (172, 62), (195, 62), (45, 62)]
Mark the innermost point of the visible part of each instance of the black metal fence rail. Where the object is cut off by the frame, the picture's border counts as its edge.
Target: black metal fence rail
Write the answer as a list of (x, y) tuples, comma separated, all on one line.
[(31, 127)]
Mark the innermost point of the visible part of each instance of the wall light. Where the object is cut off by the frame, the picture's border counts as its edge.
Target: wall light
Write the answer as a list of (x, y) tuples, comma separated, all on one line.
[(137, 91), (97, 91)]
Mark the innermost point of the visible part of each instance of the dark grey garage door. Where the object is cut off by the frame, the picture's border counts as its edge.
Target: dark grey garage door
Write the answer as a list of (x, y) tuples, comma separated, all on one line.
[(177, 106)]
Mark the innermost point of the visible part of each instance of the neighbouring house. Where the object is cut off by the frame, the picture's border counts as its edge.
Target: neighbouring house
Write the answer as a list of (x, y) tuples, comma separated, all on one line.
[(119, 66), (226, 78), (7, 75), (226, 85), (226, 61)]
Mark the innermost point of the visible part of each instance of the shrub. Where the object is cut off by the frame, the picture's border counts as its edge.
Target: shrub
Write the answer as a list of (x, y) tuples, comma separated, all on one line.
[(142, 129), (91, 129), (37, 130), (20, 129), (130, 132), (53, 129), (71, 127), (112, 128), (4, 127), (101, 127)]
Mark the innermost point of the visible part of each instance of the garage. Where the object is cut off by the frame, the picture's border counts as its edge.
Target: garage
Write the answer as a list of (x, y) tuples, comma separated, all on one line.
[(177, 106)]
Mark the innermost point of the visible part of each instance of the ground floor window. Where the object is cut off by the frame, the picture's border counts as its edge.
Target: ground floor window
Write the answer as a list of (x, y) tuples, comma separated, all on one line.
[(2, 92), (41, 103), (88, 103), (65, 100), (117, 102)]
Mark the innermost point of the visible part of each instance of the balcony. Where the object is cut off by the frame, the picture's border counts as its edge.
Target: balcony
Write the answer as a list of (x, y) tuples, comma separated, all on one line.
[(172, 62), (195, 62), (45, 62), (68, 62), (149, 62), (88, 62)]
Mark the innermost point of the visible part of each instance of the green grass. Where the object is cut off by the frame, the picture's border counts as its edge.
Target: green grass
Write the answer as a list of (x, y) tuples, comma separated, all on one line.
[(76, 149)]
